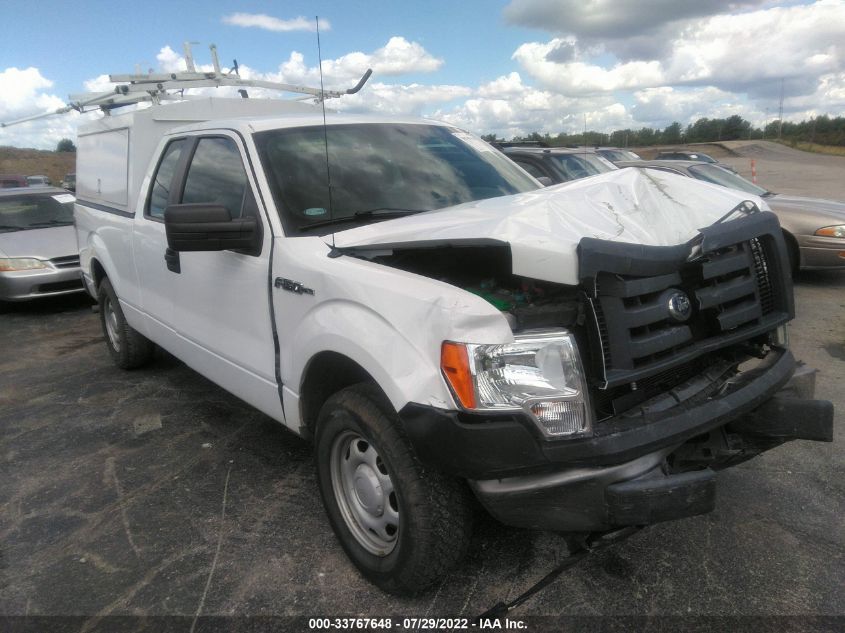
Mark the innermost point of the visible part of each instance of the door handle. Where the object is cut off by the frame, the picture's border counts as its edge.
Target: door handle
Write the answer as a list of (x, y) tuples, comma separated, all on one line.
[(172, 259)]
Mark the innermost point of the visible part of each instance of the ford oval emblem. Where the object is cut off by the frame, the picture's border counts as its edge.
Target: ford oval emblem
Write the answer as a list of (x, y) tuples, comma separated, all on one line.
[(680, 307)]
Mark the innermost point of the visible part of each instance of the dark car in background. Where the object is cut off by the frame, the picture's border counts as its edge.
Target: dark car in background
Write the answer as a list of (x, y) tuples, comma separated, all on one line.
[(814, 228), (12, 181), (558, 164), (680, 154), (38, 181), (38, 251), (614, 154)]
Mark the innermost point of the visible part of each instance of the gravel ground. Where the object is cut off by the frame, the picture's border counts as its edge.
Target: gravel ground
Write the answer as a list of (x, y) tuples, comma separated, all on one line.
[(155, 493)]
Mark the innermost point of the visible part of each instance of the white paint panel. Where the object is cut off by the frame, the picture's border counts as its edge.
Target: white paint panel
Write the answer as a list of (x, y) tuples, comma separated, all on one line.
[(102, 170)]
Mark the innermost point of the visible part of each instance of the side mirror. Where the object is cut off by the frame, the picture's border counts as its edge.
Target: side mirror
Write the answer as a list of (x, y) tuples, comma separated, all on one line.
[(208, 227), (545, 181)]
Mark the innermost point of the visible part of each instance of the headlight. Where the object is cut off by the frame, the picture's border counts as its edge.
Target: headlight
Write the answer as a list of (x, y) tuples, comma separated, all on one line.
[(832, 231), (538, 373), (10, 264)]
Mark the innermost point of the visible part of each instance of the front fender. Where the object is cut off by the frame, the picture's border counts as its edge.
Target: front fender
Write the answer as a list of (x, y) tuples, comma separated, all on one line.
[(404, 372)]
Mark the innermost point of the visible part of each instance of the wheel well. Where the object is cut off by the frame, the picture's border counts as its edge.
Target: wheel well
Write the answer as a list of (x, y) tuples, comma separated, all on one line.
[(98, 273), (326, 374)]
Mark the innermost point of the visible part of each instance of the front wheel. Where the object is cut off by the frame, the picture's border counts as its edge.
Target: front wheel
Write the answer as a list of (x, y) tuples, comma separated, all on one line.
[(404, 527)]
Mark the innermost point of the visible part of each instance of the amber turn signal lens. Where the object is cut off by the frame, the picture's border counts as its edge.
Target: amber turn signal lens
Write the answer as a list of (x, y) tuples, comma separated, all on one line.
[(832, 231), (455, 365)]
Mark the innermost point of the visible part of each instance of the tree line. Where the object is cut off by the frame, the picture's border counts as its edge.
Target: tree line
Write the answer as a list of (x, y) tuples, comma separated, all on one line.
[(822, 130)]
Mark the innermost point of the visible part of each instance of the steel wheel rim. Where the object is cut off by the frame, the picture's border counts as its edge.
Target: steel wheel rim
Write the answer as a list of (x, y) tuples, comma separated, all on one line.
[(364, 493), (110, 320)]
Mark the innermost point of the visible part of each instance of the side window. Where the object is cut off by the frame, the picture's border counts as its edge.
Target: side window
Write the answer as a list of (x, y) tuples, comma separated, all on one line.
[(217, 176), (531, 168), (164, 179)]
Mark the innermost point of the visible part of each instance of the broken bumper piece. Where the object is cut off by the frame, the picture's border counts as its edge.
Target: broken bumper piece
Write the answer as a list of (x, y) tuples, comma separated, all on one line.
[(658, 486)]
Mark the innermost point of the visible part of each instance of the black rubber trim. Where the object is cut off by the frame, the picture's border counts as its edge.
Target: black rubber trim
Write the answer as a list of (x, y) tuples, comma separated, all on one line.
[(102, 207), (595, 255), (504, 446), (653, 499), (787, 418)]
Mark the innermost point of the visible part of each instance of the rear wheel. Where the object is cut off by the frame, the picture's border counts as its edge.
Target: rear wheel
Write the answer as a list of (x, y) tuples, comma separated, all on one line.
[(128, 347), (404, 527)]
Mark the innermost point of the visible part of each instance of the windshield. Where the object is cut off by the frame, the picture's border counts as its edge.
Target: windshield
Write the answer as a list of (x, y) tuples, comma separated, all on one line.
[(379, 171), (619, 154), (19, 213), (576, 166), (720, 176)]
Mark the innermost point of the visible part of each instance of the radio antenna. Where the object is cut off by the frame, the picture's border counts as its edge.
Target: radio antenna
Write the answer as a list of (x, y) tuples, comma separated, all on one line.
[(325, 129)]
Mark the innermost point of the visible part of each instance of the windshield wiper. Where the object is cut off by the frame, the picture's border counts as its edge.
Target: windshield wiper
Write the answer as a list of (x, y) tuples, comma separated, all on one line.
[(379, 212)]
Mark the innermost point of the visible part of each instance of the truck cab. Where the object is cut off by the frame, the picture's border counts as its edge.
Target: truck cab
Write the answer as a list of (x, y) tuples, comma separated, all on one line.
[(581, 357)]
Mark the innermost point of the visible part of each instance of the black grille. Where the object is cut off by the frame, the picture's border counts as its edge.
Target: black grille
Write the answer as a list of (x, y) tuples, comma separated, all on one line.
[(70, 261), (736, 290), (765, 288)]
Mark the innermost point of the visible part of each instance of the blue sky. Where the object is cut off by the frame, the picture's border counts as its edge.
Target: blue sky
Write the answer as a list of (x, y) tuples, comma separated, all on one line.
[(510, 67)]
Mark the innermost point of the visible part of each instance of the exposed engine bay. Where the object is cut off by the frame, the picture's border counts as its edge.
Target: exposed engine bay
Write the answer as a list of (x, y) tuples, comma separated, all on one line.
[(486, 271)]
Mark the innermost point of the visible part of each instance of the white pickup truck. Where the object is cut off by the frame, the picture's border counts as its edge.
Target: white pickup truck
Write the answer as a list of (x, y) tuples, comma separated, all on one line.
[(578, 358)]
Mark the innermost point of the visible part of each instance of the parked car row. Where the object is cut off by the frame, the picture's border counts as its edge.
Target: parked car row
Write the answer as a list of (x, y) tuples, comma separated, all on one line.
[(14, 181), (814, 228)]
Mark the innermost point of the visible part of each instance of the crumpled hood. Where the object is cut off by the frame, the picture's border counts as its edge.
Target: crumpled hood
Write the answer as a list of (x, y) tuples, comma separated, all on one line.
[(544, 227)]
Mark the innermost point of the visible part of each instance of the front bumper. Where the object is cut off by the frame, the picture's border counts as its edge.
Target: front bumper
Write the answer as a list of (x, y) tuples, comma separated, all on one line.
[(32, 284), (819, 252), (667, 484), (635, 471)]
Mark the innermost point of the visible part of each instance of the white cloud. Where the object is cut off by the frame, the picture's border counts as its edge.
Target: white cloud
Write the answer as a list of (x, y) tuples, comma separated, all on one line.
[(661, 106), (397, 99), (749, 52), (269, 23), (577, 77), (508, 107), (397, 57), (170, 61), (20, 90)]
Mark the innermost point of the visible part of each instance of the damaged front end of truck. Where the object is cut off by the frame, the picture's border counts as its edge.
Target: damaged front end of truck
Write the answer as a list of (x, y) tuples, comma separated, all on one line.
[(669, 351)]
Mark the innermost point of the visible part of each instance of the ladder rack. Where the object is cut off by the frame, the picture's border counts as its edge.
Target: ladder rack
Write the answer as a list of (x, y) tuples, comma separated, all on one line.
[(158, 87)]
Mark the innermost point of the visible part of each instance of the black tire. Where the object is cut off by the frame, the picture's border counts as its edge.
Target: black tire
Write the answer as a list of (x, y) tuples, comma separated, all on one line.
[(128, 347), (434, 511)]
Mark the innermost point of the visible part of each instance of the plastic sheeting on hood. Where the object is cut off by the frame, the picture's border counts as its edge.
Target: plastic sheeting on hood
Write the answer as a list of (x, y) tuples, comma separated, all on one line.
[(543, 227)]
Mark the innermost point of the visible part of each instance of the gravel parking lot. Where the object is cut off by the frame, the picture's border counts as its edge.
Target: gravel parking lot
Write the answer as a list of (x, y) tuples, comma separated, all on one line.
[(155, 493)]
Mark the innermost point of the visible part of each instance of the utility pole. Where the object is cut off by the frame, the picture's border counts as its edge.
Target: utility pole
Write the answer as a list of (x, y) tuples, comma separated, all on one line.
[(780, 110)]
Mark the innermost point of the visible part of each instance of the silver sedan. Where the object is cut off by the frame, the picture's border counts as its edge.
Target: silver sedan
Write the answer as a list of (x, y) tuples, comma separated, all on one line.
[(814, 228), (38, 252)]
